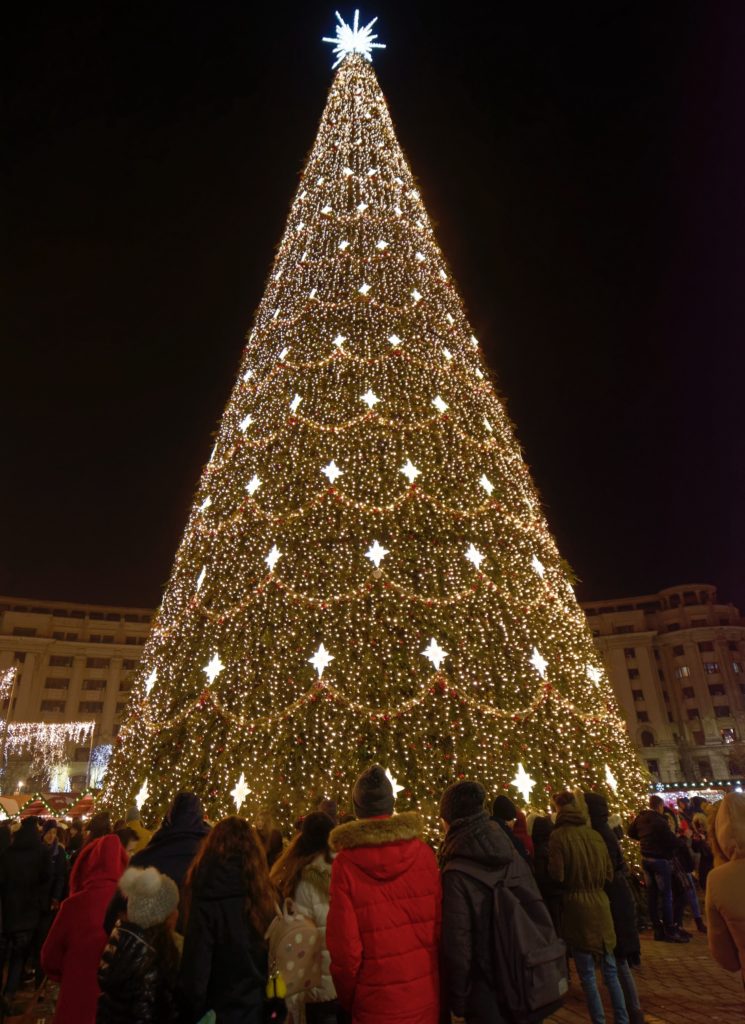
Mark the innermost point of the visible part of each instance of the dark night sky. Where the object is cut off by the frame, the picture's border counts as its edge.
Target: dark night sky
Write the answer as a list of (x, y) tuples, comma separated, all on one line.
[(584, 164)]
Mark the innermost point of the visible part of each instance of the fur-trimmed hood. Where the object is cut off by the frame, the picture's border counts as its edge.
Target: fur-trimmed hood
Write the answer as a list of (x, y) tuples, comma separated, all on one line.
[(382, 848)]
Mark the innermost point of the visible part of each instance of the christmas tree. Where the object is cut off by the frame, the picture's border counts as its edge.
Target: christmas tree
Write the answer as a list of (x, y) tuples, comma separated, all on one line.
[(366, 574)]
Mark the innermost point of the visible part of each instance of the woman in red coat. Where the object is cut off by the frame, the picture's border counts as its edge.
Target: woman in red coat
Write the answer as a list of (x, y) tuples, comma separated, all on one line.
[(383, 926), (76, 940)]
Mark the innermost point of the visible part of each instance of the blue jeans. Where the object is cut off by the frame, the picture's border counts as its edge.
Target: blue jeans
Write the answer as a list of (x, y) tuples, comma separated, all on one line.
[(586, 969), (658, 873)]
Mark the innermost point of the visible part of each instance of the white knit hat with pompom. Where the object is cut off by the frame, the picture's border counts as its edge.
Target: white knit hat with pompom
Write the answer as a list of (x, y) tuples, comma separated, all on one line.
[(151, 896)]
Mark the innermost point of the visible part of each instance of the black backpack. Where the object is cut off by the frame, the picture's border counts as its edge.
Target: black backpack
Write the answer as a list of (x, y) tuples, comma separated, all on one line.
[(529, 960)]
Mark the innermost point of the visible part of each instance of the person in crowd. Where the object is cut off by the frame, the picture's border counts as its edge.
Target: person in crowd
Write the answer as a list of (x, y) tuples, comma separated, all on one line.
[(128, 838), (25, 874), (144, 835), (627, 950), (549, 888), (76, 940), (139, 966), (303, 874), (171, 850), (383, 926), (270, 836), (684, 887), (75, 843), (329, 807), (99, 825), (471, 991), (504, 813), (56, 890), (229, 906), (657, 848), (700, 846), (578, 859), (725, 889)]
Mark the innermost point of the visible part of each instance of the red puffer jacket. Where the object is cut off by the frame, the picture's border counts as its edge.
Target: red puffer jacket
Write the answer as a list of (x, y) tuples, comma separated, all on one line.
[(383, 927)]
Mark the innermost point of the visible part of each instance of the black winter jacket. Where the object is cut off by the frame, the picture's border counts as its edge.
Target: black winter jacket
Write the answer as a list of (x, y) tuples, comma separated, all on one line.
[(622, 905), (224, 963), (470, 989), (135, 986), (25, 870), (654, 835)]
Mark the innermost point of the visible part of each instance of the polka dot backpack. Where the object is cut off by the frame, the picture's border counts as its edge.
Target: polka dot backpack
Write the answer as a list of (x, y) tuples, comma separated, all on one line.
[(294, 949)]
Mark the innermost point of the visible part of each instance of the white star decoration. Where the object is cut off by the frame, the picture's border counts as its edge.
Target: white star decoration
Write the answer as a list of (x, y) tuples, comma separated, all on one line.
[(213, 668), (435, 653), (245, 423), (321, 660), (200, 578), (205, 504), (150, 682), (240, 792), (344, 244), (474, 556), (284, 353), (439, 404), (339, 340), (611, 779), (538, 566), (332, 471), (144, 793), (538, 662), (395, 340), (486, 484), (369, 398), (410, 471), (523, 783), (376, 553), (253, 485), (594, 674), (381, 244), (353, 39), (248, 375), (347, 172), (447, 353), (416, 295), (361, 207), (295, 403), (364, 288), (488, 425), (273, 557), (394, 784)]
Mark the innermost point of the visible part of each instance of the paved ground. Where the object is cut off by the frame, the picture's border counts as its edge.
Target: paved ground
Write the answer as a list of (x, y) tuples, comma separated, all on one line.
[(677, 985)]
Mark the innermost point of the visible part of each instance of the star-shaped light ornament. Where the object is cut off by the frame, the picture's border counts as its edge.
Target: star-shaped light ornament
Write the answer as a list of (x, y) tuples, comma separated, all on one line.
[(142, 796), (240, 792), (523, 783), (611, 779), (321, 660), (205, 504), (369, 398), (150, 682), (376, 553), (245, 423), (273, 557), (353, 39), (364, 288), (486, 484), (474, 556), (333, 472), (295, 403), (538, 566), (394, 784), (200, 578), (410, 471), (339, 340), (538, 662), (213, 668), (594, 674), (253, 485), (394, 340), (435, 653), (439, 404)]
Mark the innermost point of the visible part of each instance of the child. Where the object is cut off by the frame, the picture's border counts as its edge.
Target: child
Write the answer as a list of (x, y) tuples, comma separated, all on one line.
[(139, 965)]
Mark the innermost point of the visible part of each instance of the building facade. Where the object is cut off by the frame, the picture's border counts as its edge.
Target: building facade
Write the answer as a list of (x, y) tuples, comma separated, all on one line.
[(675, 660)]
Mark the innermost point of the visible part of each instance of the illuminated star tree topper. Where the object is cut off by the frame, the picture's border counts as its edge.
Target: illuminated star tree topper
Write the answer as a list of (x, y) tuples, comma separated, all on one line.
[(353, 39)]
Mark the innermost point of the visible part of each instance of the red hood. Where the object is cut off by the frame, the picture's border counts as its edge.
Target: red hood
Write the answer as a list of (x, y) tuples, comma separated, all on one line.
[(100, 862), (382, 848)]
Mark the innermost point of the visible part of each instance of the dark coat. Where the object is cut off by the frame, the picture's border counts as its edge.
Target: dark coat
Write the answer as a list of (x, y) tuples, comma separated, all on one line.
[(58, 874), (653, 832), (549, 888), (622, 905), (514, 840), (469, 987), (224, 963), (25, 871), (135, 985)]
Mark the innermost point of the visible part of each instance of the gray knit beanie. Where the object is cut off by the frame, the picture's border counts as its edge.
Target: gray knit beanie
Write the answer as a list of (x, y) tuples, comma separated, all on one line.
[(372, 795), (151, 896)]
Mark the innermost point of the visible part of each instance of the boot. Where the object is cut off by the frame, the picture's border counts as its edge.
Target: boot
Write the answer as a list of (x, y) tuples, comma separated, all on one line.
[(636, 1017), (700, 925)]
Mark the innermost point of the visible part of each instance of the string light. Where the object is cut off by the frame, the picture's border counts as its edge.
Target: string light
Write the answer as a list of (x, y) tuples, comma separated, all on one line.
[(46, 742)]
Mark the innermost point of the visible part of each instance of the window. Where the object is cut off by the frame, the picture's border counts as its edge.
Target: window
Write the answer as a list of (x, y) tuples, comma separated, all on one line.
[(131, 640), (638, 694), (120, 708), (19, 656), (737, 667), (129, 663), (711, 667), (94, 684), (724, 622), (699, 739), (77, 613), (81, 753), (732, 645), (647, 738), (642, 716), (673, 626), (98, 638), (629, 652), (95, 615), (125, 686), (682, 672), (654, 767), (97, 662), (56, 684), (53, 705), (113, 617), (692, 714), (115, 729), (728, 735), (136, 618), (633, 673), (91, 707), (721, 711), (623, 629), (24, 631), (61, 660), (706, 645), (687, 692), (679, 650), (704, 767), (698, 622), (716, 690), (58, 636), (71, 636)]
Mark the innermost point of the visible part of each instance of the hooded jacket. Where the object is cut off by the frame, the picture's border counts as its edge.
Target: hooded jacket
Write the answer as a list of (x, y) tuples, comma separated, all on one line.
[(469, 987), (622, 906), (72, 950), (25, 874), (312, 899), (578, 859), (383, 927), (653, 832), (725, 885), (224, 962)]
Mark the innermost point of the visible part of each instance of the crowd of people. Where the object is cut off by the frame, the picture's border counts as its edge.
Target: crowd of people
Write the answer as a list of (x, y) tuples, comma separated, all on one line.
[(358, 918)]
